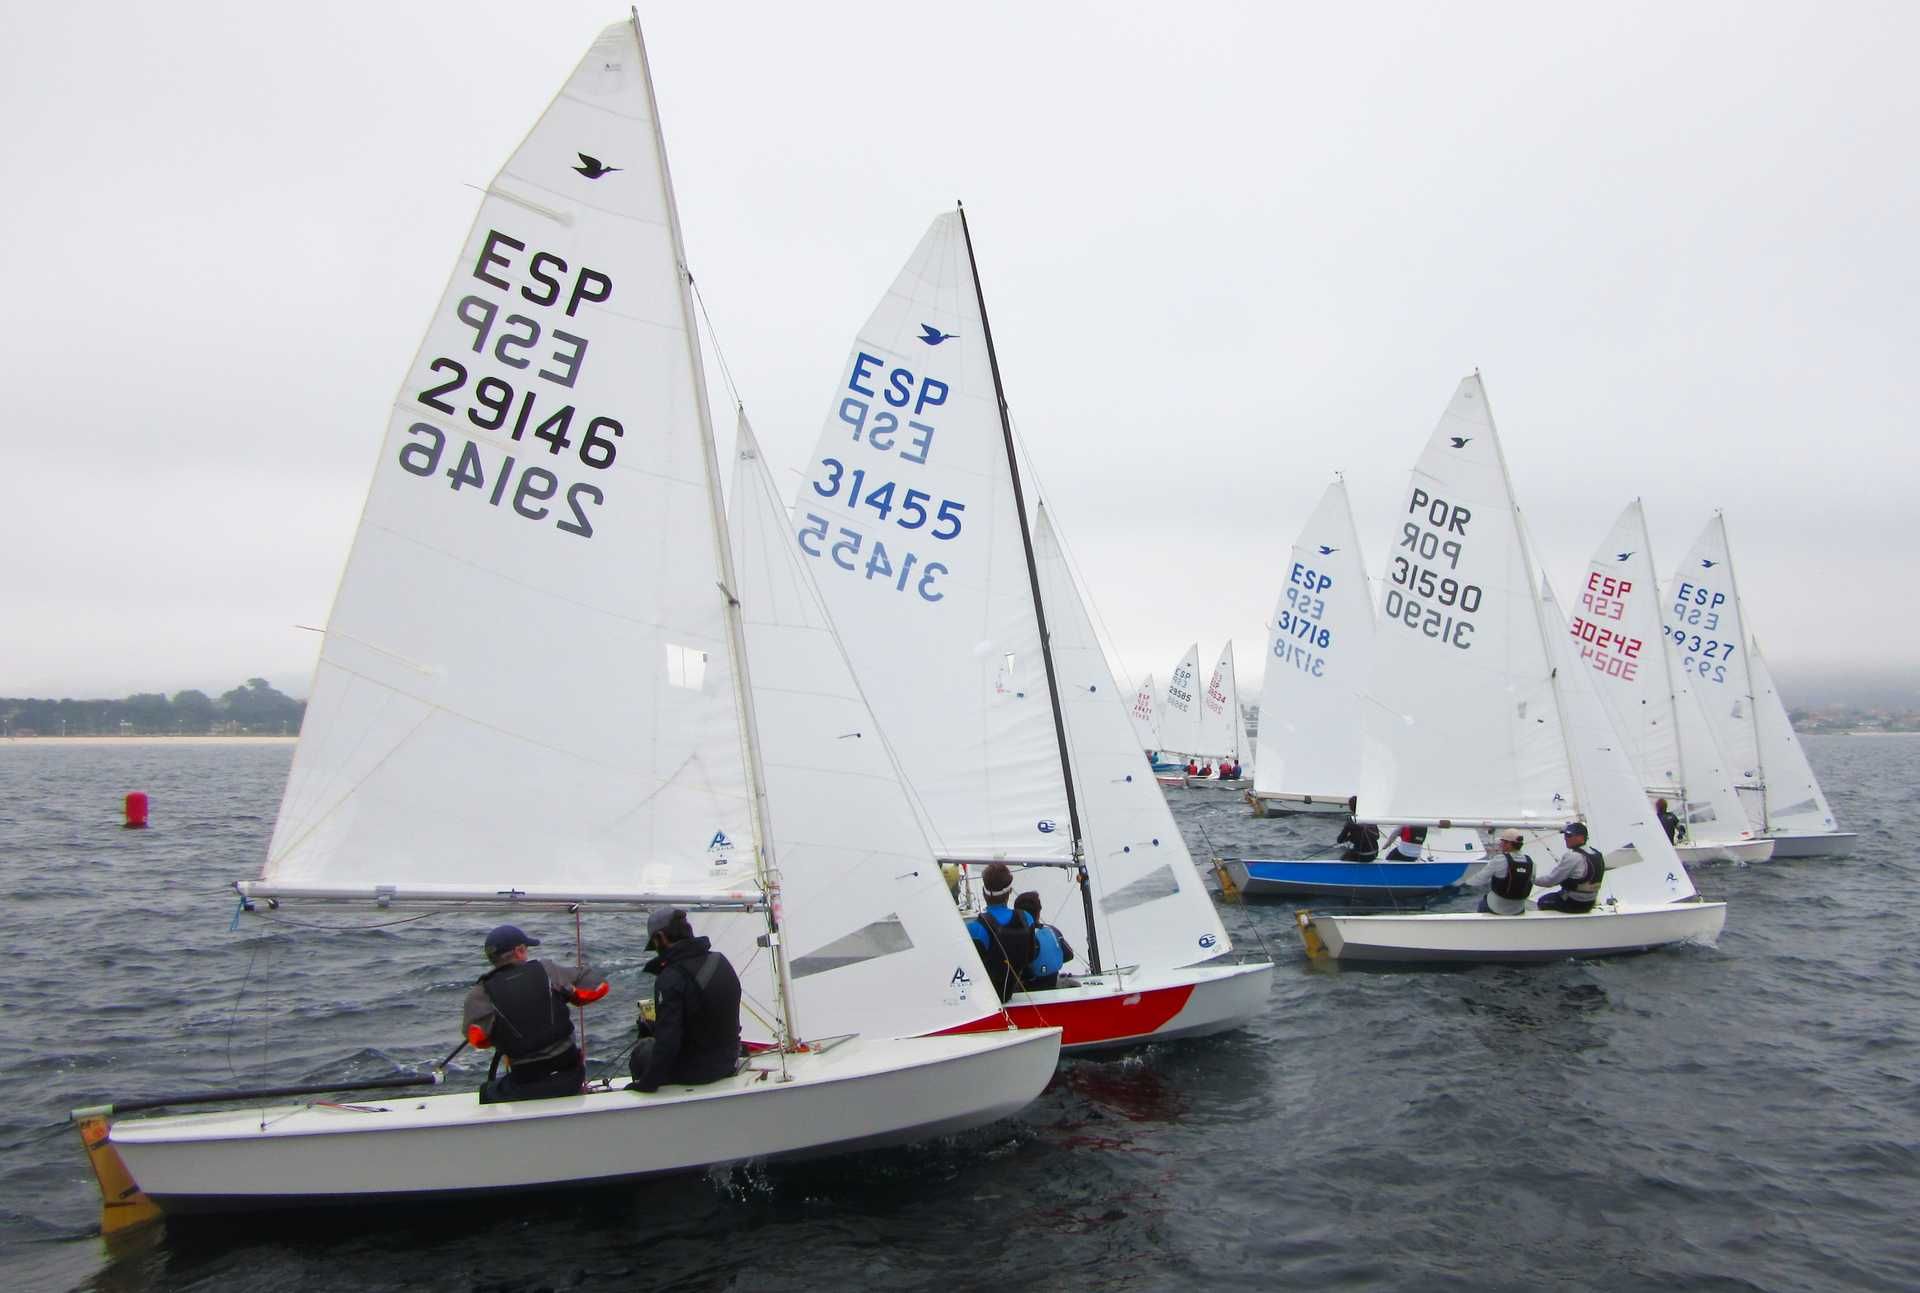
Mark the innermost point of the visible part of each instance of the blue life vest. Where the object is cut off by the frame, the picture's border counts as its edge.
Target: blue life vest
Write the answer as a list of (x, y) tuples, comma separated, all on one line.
[(1049, 956)]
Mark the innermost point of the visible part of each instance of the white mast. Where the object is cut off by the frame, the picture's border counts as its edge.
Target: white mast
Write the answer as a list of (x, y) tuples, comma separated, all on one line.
[(765, 862)]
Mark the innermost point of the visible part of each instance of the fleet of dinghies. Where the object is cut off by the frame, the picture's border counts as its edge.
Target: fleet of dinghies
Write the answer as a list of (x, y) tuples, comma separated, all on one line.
[(814, 717), (1478, 712)]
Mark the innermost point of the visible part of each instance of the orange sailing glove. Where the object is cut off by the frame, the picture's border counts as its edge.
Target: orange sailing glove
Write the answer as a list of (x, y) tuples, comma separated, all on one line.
[(477, 1037), (584, 995)]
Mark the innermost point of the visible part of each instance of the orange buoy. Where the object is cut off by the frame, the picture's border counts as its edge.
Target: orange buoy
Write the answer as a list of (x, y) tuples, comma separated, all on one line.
[(136, 811)]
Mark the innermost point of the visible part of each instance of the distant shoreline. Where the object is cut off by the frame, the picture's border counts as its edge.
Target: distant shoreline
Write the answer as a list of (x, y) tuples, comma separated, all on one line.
[(147, 740)]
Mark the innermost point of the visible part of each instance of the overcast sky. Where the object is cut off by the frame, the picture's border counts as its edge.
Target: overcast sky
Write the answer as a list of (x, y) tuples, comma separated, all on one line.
[(1227, 251)]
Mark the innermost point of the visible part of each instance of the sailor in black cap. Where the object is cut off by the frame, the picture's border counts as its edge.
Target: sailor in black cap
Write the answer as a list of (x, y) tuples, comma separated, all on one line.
[(1578, 874), (694, 1036), (520, 1008)]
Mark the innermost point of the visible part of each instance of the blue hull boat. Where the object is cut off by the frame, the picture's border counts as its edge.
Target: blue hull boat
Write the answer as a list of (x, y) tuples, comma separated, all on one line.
[(1259, 878)]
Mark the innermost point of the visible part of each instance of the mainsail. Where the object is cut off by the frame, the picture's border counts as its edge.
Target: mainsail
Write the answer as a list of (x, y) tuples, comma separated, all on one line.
[(1317, 649), (1709, 640), (1459, 718), (1146, 726), (1180, 716), (1220, 727), (521, 690), (907, 516)]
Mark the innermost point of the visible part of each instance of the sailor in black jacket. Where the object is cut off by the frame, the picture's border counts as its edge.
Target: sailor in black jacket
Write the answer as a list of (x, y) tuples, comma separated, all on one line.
[(695, 1033)]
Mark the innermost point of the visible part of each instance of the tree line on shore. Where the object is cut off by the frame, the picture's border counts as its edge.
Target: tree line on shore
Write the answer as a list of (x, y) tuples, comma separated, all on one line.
[(254, 708)]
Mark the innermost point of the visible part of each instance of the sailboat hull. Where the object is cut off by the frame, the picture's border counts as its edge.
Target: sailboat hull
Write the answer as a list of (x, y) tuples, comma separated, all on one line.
[(1274, 805), (1814, 845), (1756, 850), (1535, 936), (1103, 1012), (1273, 878), (860, 1094)]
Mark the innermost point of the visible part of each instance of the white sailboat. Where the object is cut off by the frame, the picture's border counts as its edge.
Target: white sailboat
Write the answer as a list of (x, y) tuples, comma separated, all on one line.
[(979, 659), (1180, 714), (523, 703), (1479, 713), (1308, 756), (1223, 736), (1617, 631), (1707, 630)]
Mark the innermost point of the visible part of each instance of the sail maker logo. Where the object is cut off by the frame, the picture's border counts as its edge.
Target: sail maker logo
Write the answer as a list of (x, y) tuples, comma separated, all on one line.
[(592, 167), (1046, 826), (720, 849), (932, 335)]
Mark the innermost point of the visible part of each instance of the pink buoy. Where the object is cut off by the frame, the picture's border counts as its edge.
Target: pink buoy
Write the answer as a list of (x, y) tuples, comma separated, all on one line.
[(136, 811)]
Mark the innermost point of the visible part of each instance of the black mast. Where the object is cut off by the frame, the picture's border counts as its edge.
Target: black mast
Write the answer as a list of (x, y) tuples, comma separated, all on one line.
[(1039, 607)]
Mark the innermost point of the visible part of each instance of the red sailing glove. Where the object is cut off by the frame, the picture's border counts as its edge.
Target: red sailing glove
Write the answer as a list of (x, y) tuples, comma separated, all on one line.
[(585, 995), (477, 1037)]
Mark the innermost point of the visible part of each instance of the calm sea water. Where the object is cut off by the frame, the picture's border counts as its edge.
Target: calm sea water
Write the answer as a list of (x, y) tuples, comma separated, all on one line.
[(1745, 1117)]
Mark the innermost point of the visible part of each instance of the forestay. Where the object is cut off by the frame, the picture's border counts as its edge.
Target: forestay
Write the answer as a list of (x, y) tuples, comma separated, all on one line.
[(1317, 650), (1180, 718), (1459, 718), (872, 942), (1795, 802), (1145, 727), (1617, 631), (525, 682), (1154, 908), (907, 516), (1220, 734)]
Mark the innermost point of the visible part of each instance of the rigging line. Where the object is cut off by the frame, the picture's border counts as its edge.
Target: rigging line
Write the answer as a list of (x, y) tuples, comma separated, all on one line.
[(713, 336), (233, 1012), (276, 916)]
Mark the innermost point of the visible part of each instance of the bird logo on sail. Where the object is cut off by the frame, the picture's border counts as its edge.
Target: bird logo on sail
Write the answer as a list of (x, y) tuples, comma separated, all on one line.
[(932, 335), (1325, 551), (592, 167), (1707, 563), (1459, 441), (1621, 556)]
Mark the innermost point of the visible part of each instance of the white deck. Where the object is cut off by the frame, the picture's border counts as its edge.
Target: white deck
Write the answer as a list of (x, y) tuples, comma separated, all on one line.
[(855, 1095)]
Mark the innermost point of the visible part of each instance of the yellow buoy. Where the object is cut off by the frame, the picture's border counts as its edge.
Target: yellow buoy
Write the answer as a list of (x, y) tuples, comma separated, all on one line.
[(1316, 950)]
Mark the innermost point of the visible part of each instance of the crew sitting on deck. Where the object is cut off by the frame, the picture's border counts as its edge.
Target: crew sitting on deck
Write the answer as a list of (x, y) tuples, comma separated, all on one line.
[(1669, 822), (1407, 847), (1003, 937), (1509, 876), (1193, 769), (694, 1036), (1206, 769), (1052, 948), (1578, 874), (1361, 838), (520, 1008)]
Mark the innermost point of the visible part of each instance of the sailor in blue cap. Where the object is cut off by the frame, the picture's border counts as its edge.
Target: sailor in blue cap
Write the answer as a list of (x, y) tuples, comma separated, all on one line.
[(519, 1007)]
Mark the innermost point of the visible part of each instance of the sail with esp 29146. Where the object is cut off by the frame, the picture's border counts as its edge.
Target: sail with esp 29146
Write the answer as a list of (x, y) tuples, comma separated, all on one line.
[(528, 698)]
